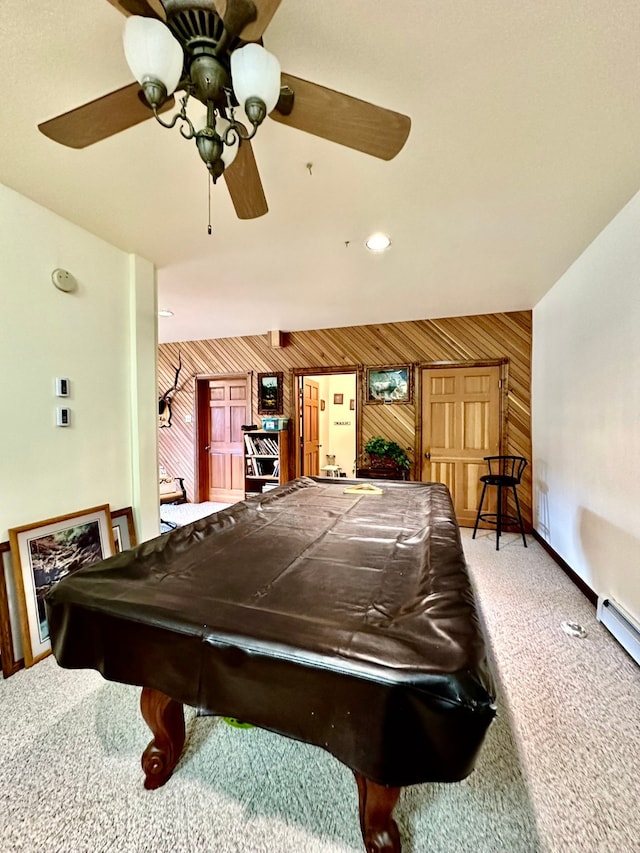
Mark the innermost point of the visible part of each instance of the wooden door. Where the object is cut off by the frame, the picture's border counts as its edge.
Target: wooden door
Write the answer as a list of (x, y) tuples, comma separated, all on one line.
[(460, 426), (228, 410), (310, 427)]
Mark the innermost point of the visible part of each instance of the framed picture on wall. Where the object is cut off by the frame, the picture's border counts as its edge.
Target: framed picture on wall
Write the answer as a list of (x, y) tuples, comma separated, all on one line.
[(270, 394), (389, 384), (45, 552), (338, 399)]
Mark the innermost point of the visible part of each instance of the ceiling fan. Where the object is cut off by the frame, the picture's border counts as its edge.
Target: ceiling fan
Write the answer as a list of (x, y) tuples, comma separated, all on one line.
[(215, 47)]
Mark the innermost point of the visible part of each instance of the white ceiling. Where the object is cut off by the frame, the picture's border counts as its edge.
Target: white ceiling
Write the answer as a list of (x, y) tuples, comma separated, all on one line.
[(525, 142)]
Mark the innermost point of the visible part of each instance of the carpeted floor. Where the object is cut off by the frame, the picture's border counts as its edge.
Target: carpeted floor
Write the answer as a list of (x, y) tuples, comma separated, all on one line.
[(558, 771), (180, 514)]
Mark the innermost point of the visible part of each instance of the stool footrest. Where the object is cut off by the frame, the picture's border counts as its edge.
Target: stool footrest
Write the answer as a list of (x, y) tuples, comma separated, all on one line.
[(492, 518)]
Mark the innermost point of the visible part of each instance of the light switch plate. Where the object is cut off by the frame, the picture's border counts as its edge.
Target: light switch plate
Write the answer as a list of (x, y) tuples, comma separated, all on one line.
[(63, 416), (62, 387)]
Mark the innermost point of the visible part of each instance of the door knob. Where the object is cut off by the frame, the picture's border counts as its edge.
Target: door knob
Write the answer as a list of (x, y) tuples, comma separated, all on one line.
[(207, 447), (427, 455)]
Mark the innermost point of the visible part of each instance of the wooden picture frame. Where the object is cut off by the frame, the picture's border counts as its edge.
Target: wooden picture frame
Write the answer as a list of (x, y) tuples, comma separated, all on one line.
[(270, 393), (10, 639), (389, 384), (338, 399), (124, 529), (322, 405), (352, 405), (46, 551)]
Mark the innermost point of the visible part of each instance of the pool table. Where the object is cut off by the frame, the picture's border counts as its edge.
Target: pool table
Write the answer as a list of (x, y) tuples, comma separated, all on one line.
[(323, 610)]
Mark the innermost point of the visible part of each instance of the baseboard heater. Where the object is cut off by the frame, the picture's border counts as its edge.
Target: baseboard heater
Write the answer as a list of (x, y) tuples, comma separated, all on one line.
[(623, 627)]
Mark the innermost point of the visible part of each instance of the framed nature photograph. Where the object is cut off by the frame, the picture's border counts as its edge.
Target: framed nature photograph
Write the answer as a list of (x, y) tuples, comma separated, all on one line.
[(389, 384), (10, 640), (124, 529), (42, 554), (270, 393)]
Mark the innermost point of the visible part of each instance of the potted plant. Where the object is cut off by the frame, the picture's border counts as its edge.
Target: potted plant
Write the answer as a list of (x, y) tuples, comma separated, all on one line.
[(385, 454)]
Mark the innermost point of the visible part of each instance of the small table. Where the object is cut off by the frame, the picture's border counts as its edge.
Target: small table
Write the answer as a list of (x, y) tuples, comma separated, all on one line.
[(331, 470), (368, 473), (339, 618)]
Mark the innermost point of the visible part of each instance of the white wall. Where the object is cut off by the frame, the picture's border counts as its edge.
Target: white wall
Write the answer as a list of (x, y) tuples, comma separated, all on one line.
[(341, 439), (338, 421), (102, 337), (586, 413)]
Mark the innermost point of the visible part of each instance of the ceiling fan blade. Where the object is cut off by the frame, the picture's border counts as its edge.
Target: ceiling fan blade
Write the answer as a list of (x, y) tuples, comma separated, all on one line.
[(254, 30), (144, 8), (344, 119), (244, 184), (101, 118)]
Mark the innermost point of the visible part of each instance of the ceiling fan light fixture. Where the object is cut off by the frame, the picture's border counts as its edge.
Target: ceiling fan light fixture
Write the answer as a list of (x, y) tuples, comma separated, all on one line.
[(230, 150), (210, 148), (152, 53), (210, 51), (378, 243), (255, 75)]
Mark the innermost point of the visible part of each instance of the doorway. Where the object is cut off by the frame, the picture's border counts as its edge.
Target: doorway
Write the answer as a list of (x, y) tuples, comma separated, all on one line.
[(461, 424), (326, 424), (223, 406)]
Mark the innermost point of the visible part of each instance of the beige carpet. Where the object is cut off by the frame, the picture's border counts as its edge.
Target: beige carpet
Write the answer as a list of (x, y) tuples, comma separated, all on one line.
[(558, 771)]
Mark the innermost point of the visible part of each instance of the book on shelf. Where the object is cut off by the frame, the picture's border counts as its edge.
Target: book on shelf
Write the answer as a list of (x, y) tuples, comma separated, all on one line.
[(261, 445)]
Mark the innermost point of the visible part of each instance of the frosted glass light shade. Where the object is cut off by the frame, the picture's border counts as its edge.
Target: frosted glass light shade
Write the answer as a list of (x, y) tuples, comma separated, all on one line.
[(255, 73), (229, 152), (152, 52)]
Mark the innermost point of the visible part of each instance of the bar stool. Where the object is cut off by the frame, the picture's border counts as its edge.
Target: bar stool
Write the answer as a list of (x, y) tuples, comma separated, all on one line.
[(505, 472)]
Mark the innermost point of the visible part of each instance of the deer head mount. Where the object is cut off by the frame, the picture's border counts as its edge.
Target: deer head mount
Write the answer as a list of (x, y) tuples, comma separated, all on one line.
[(164, 403)]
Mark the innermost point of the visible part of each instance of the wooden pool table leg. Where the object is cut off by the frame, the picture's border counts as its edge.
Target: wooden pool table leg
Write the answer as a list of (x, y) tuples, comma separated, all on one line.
[(379, 829), (165, 718)]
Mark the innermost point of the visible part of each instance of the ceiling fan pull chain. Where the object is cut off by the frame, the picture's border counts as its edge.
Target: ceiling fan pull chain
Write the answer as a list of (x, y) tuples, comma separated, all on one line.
[(209, 185)]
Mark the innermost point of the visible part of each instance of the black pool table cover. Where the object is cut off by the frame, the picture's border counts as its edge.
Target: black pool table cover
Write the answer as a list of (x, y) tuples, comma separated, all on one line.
[(340, 619)]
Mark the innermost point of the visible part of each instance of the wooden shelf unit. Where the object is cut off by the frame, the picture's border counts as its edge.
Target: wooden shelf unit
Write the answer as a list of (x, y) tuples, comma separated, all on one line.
[(266, 460)]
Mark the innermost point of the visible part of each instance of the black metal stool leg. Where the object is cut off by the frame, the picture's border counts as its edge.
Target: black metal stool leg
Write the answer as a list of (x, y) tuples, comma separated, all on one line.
[(475, 529), (499, 518), (515, 494)]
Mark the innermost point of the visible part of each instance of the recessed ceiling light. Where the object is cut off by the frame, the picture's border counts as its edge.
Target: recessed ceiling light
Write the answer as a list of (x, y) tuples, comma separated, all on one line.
[(378, 242), (164, 312)]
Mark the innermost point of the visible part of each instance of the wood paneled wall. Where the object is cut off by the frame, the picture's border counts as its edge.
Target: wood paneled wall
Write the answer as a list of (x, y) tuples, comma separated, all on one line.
[(452, 340)]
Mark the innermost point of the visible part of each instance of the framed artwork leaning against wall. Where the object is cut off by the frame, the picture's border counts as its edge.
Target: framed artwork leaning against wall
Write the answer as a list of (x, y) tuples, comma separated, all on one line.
[(10, 640), (46, 551), (124, 529)]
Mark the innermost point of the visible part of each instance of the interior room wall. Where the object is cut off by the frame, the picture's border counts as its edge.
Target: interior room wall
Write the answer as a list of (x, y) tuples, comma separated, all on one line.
[(341, 439), (323, 417), (452, 340), (586, 413), (337, 421), (102, 338)]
